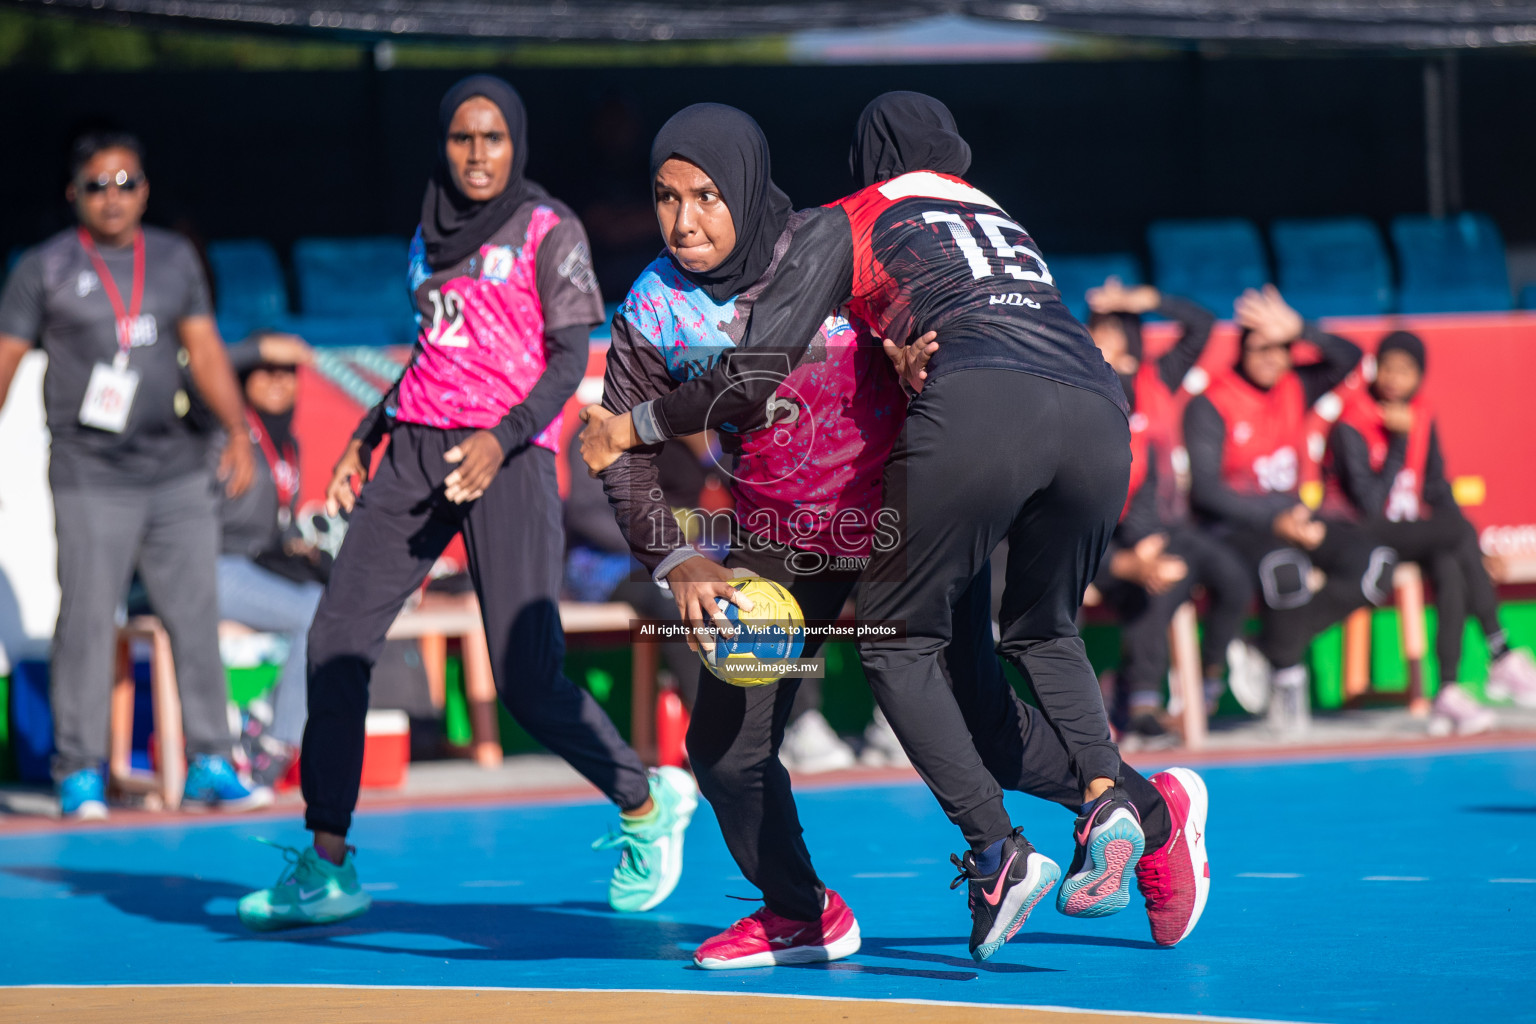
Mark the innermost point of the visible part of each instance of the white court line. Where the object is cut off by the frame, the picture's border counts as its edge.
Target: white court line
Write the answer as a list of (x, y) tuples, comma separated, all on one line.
[(491, 883), (886, 874), (380, 886), (1267, 874), (1515, 881), (321, 986), (1394, 878)]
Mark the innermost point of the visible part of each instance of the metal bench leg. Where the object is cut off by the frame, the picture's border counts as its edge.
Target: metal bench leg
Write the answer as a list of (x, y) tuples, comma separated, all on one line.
[(480, 694), (1408, 583), (642, 702), (1188, 674), (171, 746)]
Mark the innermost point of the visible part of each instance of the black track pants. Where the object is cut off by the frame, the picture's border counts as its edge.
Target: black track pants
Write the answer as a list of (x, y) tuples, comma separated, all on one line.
[(1358, 572), (988, 455), (515, 541), (1446, 548), (1145, 617)]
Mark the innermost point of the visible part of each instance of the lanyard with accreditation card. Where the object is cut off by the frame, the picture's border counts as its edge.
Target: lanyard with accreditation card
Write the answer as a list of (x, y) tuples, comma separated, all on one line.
[(109, 394)]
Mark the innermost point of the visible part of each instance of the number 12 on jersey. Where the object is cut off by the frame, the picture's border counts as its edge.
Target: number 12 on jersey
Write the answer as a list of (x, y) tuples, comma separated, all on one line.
[(992, 226), (451, 305)]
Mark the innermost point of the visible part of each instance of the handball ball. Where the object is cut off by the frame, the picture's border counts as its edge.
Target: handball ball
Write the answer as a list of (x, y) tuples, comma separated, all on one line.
[(774, 630)]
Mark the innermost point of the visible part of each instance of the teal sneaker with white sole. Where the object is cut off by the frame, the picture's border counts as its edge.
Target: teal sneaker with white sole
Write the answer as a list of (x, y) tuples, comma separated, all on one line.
[(651, 849), (310, 891)]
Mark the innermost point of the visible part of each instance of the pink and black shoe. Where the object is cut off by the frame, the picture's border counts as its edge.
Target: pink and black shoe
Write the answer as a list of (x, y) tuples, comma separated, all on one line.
[(764, 939), (1109, 843), (1001, 900), (1176, 880)]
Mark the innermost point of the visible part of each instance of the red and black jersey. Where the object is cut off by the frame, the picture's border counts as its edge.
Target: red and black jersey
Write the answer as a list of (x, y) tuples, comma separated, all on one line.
[(1266, 438), (1399, 471), (920, 252), (932, 253)]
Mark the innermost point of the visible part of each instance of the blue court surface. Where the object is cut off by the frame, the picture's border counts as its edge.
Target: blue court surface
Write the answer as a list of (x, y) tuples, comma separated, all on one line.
[(1400, 888)]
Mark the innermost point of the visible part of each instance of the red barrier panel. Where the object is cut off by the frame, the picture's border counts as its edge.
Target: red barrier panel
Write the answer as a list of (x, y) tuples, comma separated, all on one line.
[(1481, 378)]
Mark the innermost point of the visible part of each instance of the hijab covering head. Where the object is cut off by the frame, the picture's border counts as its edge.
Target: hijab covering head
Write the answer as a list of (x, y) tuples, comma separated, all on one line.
[(728, 145), (453, 226), (905, 131), (1401, 341)]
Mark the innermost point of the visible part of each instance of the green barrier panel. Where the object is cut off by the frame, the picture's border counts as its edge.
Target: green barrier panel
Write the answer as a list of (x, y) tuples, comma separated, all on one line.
[(7, 761)]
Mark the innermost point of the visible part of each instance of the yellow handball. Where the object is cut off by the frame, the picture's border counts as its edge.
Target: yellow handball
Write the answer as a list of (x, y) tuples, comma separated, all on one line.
[(773, 630)]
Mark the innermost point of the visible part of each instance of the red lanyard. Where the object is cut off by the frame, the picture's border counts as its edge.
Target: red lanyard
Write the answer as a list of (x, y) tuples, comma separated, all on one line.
[(285, 470), (126, 318)]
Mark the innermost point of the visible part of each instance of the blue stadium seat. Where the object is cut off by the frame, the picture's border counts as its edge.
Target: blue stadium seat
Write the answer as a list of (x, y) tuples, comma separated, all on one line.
[(352, 276), (1528, 297), (1209, 261), (247, 281), (1076, 274), (1450, 264), (1332, 267)]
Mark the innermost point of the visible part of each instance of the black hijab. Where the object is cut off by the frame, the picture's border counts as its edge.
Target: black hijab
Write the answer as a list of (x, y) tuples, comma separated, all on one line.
[(728, 145), (905, 131), (453, 225)]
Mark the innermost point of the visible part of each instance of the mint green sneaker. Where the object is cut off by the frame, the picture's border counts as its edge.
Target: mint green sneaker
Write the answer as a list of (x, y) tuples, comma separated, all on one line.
[(651, 851), (311, 890)]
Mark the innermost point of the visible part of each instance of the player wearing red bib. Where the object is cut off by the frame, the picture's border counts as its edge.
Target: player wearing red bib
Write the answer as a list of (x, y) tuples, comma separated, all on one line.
[(1247, 442), (1385, 468), (1156, 555)]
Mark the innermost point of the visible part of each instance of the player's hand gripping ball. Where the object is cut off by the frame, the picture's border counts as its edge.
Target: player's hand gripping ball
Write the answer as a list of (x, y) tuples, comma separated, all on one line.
[(771, 631)]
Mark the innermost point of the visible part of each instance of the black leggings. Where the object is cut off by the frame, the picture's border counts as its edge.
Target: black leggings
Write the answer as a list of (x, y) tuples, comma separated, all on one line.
[(1358, 572), (987, 455), (735, 733), (515, 541), (1446, 548), (1145, 617)]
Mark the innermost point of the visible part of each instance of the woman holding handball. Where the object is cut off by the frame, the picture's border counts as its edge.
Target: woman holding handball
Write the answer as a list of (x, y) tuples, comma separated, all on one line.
[(919, 249), (505, 299), (806, 486)]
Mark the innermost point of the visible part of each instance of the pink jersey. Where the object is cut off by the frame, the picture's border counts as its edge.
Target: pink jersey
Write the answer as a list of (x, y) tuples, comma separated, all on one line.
[(481, 324)]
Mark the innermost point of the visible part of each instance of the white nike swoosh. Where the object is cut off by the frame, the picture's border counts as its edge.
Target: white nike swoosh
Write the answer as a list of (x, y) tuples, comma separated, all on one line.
[(303, 895)]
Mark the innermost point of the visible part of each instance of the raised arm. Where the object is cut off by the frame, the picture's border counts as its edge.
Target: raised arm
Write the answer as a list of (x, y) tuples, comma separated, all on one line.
[(1196, 322), (1339, 358)]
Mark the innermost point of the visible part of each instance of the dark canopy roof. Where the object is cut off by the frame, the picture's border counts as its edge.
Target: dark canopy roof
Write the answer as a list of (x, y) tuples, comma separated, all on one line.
[(1352, 23)]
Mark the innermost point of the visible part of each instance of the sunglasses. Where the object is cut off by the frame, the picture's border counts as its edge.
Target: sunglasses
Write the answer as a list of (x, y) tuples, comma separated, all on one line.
[(120, 181)]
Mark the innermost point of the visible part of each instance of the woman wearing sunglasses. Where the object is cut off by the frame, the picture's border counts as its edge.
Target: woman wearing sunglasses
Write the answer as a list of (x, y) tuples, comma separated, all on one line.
[(117, 306)]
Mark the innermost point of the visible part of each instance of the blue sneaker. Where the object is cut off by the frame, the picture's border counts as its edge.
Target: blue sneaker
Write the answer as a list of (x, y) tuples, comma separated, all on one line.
[(651, 850), (1109, 846), (83, 795), (212, 780)]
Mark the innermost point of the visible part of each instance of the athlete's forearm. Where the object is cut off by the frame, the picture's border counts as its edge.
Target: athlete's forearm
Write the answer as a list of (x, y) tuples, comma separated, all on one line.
[(1339, 358), (1197, 322)]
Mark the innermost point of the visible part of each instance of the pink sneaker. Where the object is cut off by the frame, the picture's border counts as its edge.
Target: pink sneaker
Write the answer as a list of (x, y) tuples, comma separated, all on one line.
[(1176, 880), (1513, 677), (764, 939), (1455, 711)]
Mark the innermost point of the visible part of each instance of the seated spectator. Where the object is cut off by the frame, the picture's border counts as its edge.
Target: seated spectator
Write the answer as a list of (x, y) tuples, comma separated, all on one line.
[(1386, 470), (1157, 556), (1246, 435), (120, 309), (270, 578)]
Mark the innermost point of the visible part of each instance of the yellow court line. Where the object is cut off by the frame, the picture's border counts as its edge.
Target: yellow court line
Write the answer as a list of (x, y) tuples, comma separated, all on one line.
[(365, 1004)]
